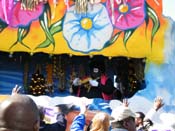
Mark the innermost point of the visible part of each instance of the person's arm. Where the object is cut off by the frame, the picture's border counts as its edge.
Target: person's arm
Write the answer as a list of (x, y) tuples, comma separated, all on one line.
[(80, 120), (78, 123), (158, 103)]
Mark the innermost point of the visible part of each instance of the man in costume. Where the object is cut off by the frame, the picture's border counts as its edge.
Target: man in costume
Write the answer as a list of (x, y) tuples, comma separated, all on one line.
[(97, 85)]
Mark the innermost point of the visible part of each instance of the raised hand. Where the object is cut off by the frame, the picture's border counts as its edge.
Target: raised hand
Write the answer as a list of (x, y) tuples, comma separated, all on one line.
[(16, 90), (83, 105), (158, 103), (125, 102)]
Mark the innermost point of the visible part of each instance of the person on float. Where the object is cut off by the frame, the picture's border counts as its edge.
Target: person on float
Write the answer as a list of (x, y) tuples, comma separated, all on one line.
[(98, 85)]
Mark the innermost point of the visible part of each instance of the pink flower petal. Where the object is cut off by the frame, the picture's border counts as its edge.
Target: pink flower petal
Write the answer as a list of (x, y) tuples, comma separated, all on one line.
[(18, 17), (131, 19), (5, 10), (22, 17)]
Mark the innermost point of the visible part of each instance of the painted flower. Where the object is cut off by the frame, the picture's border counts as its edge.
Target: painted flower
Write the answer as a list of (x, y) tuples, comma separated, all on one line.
[(12, 14), (84, 32), (126, 14)]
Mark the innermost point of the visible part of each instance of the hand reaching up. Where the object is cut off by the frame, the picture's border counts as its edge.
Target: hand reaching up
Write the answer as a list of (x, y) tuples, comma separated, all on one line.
[(83, 106), (125, 102), (158, 103), (16, 90)]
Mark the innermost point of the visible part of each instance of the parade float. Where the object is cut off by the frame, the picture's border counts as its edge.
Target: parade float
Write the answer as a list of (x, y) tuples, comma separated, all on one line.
[(47, 43)]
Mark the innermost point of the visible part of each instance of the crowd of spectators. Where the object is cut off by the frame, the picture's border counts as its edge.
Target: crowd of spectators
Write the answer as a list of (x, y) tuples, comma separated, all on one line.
[(20, 113)]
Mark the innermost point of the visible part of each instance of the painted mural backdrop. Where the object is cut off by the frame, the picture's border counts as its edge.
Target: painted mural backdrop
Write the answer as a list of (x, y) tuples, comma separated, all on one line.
[(108, 27)]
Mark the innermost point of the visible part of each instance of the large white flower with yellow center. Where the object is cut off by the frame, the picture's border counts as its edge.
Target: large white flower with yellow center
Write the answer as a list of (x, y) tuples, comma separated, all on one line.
[(87, 32)]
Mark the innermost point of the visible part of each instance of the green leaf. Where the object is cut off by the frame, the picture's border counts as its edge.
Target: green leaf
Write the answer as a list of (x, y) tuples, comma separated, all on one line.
[(114, 38), (44, 22), (54, 28), (22, 33), (156, 24), (127, 35), (44, 44), (16, 42)]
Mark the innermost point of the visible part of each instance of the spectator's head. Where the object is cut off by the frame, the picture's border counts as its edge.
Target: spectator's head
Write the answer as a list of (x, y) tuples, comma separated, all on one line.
[(19, 113), (100, 122), (123, 117), (139, 118)]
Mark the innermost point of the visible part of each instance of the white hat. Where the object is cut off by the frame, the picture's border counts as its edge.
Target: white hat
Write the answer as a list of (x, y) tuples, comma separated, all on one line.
[(121, 113)]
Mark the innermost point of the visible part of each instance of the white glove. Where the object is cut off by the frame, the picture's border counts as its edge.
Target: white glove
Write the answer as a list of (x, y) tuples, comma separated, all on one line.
[(93, 83), (76, 82)]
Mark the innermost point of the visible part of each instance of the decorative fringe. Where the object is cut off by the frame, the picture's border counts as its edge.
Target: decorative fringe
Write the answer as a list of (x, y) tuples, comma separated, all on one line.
[(61, 74), (81, 6), (49, 78), (49, 69), (92, 1), (30, 4), (25, 76), (72, 77)]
